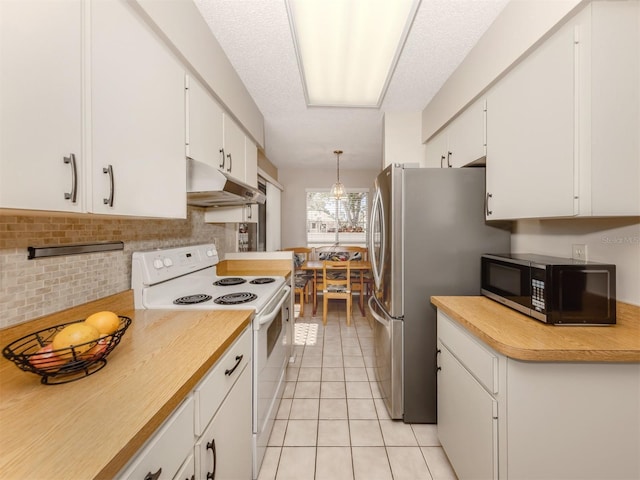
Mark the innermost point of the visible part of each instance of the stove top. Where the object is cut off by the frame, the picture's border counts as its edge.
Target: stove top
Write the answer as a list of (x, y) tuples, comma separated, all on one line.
[(185, 277)]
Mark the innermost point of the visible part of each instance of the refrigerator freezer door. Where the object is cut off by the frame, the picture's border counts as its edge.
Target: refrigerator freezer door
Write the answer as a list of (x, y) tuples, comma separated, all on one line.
[(388, 339)]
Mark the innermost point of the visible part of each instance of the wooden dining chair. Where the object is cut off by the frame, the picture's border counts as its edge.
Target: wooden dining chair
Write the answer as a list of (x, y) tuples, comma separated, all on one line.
[(336, 285), (302, 280)]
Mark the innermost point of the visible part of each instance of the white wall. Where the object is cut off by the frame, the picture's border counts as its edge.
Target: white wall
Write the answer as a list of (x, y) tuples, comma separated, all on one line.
[(608, 240), (402, 139), (294, 200)]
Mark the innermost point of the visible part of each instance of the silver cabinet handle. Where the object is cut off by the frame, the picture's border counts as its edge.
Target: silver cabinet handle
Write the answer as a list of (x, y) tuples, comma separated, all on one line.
[(250, 212), (109, 171), (230, 162), (222, 157), (442, 160), (449, 159), (74, 178), (489, 195)]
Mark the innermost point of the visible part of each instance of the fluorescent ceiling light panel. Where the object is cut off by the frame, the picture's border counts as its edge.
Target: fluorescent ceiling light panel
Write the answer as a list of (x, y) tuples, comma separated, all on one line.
[(347, 49)]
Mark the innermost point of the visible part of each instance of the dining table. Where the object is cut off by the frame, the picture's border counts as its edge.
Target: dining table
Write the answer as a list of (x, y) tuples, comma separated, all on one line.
[(315, 266)]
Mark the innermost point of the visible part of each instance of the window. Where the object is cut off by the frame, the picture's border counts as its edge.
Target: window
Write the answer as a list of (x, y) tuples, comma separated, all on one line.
[(332, 221)]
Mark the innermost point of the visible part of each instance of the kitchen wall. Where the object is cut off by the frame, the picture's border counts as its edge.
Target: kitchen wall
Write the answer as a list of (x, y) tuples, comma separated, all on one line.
[(608, 240), (294, 199), (32, 288)]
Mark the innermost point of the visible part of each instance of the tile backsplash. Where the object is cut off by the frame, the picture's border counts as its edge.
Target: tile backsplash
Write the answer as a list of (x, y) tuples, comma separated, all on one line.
[(32, 288)]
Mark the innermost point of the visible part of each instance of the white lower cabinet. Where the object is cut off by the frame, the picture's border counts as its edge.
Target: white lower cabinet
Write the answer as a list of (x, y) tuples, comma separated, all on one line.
[(467, 427), (223, 452), (209, 436), (502, 418), (167, 450)]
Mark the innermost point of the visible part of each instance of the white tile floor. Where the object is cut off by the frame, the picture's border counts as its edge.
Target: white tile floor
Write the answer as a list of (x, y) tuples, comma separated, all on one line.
[(332, 423)]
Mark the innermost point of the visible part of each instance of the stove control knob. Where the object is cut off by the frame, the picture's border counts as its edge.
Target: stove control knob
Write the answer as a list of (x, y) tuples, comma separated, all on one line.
[(157, 263), (167, 262), (209, 253)]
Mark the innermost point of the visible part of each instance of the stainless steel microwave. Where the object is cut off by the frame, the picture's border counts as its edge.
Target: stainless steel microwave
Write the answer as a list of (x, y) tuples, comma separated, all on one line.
[(553, 290)]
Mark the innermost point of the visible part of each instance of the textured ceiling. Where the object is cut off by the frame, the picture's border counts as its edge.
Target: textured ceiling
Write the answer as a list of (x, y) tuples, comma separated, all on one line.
[(256, 36)]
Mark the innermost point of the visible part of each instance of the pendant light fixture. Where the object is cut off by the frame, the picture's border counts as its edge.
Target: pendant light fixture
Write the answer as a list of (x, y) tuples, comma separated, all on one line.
[(337, 190)]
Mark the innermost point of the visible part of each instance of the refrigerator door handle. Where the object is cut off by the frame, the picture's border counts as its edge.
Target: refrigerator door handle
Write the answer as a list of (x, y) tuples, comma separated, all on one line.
[(375, 315), (377, 263)]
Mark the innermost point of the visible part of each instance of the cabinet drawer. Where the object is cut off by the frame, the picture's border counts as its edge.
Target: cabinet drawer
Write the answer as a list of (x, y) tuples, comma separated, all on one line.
[(477, 359), (214, 387), (167, 449)]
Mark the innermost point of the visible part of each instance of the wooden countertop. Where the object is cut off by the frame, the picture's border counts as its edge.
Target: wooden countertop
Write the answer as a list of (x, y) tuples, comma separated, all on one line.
[(518, 336), (280, 268), (90, 428)]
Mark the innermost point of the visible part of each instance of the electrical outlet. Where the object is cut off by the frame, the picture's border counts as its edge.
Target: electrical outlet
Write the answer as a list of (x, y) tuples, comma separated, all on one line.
[(579, 251)]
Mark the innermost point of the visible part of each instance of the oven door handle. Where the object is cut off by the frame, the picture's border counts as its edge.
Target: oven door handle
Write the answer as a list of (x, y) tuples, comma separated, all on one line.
[(271, 315)]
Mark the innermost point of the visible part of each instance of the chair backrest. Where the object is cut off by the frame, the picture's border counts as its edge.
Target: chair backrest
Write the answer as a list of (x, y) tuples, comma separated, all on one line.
[(300, 254), (340, 252), (336, 274)]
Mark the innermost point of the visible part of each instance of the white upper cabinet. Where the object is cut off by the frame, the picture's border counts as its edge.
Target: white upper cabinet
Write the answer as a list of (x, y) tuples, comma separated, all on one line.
[(137, 117), (92, 111), (234, 150), (462, 141), (562, 126), (204, 126), (530, 134), (41, 156), (213, 137)]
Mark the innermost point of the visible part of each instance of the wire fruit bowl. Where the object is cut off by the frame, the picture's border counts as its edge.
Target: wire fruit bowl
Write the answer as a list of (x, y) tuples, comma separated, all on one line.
[(66, 364)]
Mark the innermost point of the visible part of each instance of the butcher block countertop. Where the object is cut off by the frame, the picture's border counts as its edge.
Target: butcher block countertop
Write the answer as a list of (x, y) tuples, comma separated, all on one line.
[(520, 337), (90, 428), (280, 268)]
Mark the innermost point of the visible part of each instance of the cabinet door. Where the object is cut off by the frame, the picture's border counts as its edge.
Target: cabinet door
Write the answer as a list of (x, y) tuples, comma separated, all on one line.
[(234, 149), (466, 136), (467, 421), (530, 134), (138, 112), (436, 151), (251, 162), (204, 126), (41, 98), (225, 446)]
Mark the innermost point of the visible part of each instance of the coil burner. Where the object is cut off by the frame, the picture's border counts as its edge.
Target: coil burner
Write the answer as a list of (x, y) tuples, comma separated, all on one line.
[(192, 299), (236, 298), (229, 281), (262, 280)]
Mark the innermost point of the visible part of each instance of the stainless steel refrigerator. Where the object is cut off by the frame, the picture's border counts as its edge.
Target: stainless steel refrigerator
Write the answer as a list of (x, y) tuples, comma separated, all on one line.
[(426, 236)]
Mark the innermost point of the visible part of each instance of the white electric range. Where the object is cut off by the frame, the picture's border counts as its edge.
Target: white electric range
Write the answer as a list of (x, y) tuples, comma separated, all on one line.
[(186, 278)]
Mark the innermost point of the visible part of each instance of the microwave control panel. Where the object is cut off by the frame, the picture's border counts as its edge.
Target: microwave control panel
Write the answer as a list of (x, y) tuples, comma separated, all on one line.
[(537, 289), (537, 294)]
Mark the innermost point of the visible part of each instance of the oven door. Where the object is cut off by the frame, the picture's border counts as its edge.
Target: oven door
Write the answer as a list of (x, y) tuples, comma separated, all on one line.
[(270, 358)]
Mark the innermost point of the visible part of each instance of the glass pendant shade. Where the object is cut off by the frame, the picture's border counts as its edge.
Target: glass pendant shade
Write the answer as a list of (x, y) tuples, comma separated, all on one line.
[(337, 189)]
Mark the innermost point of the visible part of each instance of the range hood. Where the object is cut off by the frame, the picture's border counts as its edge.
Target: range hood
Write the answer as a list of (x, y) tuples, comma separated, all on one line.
[(209, 187)]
